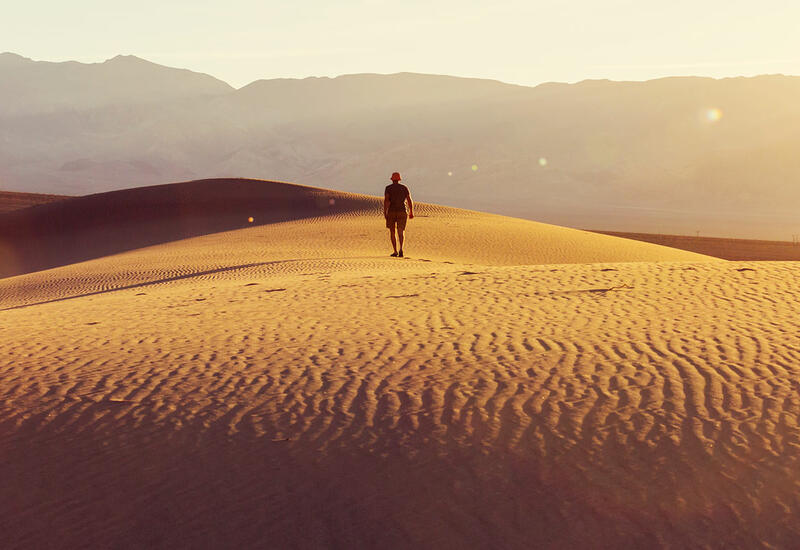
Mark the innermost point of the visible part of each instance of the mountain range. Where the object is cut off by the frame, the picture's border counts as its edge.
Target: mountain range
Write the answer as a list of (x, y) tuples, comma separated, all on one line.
[(674, 155)]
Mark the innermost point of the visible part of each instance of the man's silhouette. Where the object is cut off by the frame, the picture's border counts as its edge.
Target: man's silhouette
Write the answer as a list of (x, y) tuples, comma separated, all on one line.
[(394, 210)]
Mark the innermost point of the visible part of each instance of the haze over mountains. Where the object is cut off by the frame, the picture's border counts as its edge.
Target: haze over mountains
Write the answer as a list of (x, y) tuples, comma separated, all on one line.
[(674, 155)]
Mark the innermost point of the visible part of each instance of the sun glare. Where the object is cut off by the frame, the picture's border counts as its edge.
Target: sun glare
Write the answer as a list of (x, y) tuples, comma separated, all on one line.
[(713, 114)]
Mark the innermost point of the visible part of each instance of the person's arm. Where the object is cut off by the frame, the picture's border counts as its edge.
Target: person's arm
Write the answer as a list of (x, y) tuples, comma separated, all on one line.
[(386, 204), (410, 207)]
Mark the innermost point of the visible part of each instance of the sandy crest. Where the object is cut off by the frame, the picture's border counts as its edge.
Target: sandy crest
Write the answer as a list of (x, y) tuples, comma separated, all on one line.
[(724, 248), (294, 217), (11, 200), (268, 388)]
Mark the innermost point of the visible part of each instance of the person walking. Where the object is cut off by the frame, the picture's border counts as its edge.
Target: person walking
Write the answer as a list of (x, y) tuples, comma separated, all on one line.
[(394, 210)]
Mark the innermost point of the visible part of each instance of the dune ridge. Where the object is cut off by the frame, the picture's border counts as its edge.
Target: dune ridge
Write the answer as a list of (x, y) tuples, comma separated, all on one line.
[(267, 387), (82, 228), (12, 200), (721, 247)]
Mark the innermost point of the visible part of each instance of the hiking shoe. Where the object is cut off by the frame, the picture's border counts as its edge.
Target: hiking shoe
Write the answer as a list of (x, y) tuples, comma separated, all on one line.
[(393, 254), (400, 254)]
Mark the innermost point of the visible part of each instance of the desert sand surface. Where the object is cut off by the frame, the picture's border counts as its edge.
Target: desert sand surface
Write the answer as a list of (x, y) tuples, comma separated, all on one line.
[(12, 200), (82, 228), (719, 247), (288, 385)]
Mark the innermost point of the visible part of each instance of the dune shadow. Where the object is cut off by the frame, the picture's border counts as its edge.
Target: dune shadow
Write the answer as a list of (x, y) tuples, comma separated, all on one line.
[(83, 228)]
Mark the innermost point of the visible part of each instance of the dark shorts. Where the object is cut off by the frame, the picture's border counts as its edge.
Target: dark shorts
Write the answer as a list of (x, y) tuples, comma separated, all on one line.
[(396, 218)]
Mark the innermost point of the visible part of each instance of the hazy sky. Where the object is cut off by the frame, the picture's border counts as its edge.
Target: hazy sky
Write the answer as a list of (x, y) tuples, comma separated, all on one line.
[(520, 41)]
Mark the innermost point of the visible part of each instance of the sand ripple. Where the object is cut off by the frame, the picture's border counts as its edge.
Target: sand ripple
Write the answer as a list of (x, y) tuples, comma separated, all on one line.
[(341, 402)]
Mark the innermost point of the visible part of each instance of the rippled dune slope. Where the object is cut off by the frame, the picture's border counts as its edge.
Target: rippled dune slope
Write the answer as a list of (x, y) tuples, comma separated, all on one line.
[(509, 385)]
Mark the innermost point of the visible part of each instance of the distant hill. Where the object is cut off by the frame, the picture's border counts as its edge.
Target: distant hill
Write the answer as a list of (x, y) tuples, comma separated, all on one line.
[(33, 87), (675, 155)]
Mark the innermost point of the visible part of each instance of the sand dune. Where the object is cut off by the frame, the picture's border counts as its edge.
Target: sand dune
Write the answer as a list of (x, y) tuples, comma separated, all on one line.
[(87, 227), (83, 228), (291, 386), (10, 200), (726, 249)]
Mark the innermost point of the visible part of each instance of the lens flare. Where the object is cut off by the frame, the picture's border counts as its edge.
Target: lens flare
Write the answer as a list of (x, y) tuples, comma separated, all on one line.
[(474, 167), (250, 219), (449, 173), (542, 161), (713, 114)]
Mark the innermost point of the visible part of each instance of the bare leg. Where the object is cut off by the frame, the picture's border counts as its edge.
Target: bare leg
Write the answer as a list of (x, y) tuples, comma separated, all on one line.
[(401, 236), (394, 241)]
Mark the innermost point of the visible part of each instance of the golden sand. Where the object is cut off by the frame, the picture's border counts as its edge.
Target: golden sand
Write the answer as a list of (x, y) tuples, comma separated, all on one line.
[(509, 385)]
